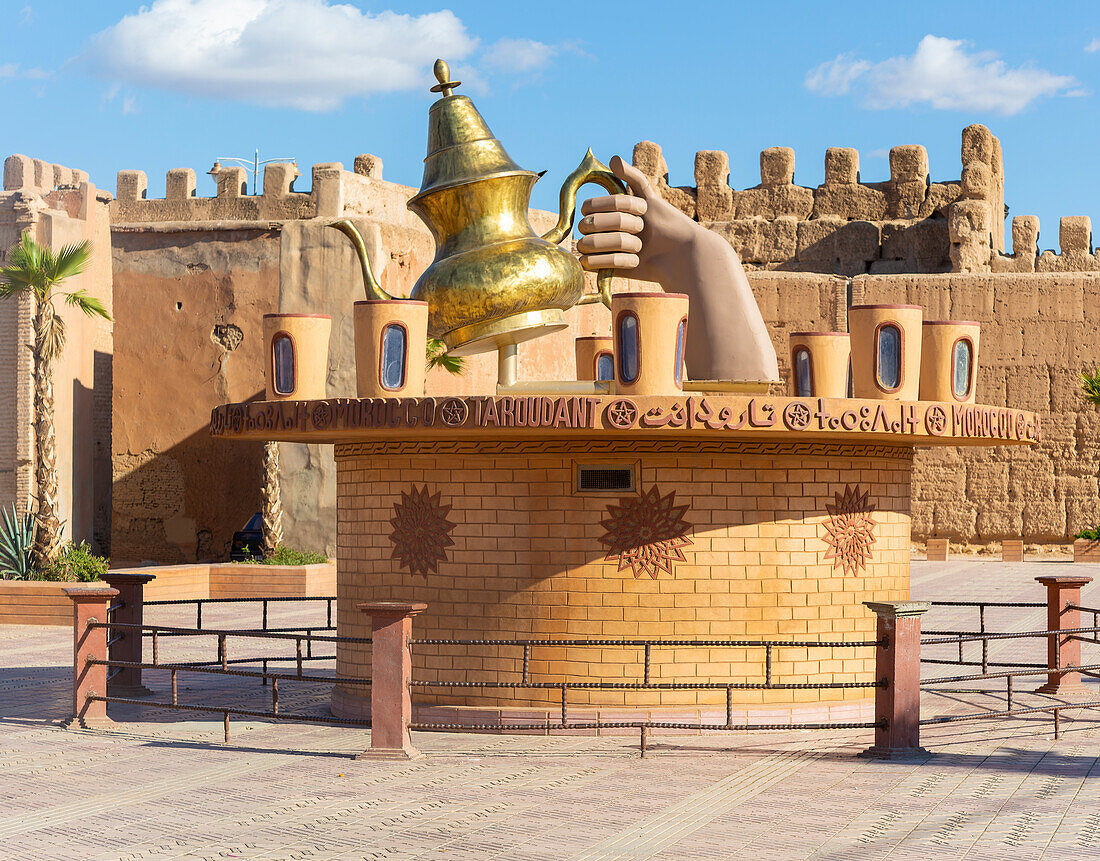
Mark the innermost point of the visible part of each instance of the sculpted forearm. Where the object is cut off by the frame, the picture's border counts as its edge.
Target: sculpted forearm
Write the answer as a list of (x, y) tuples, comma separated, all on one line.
[(728, 338), (643, 236)]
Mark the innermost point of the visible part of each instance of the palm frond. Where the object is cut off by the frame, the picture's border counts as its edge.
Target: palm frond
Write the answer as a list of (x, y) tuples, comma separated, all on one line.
[(437, 357), (70, 261), (90, 305), (1090, 384)]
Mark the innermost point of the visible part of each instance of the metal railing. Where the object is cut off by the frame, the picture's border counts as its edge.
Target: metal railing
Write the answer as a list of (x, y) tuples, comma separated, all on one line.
[(1050, 671), (646, 647), (264, 603), (224, 665), (983, 661)]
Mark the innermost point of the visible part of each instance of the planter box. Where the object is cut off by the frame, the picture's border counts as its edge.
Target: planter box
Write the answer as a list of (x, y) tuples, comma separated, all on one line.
[(33, 602), (1012, 550), (936, 549), (1086, 550), (30, 602)]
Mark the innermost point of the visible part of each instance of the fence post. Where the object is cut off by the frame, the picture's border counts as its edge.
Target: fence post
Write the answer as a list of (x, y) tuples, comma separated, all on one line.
[(127, 682), (1062, 651), (391, 672), (898, 663), (90, 605)]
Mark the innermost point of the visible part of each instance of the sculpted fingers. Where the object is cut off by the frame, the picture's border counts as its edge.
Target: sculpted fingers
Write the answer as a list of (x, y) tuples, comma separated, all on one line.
[(592, 262), (615, 203), (607, 222), (604, 243)]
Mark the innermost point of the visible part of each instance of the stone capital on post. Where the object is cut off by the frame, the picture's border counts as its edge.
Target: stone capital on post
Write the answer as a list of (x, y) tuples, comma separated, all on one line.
[(1063, 651), (90, 605), (130, 585), (391, 672), (897, 664)]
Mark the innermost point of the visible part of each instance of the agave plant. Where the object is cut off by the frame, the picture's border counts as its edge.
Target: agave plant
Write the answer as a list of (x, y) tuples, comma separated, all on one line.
[(16, 543)]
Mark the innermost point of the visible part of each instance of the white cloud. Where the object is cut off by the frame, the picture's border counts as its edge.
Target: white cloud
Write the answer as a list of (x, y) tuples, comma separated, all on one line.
[(942, 74), (307, 54), (518, 55), (835, 78), (13, 70), (26, 15), (1093, 46)]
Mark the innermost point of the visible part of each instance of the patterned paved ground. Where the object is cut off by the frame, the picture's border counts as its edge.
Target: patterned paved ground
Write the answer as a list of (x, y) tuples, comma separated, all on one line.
[(156, 786)]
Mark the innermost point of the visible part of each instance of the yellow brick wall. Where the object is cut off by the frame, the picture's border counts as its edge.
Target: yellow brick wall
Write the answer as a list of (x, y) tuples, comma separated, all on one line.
[(527, 562)]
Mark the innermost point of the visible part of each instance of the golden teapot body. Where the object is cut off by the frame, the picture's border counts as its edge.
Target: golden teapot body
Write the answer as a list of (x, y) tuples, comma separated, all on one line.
[(493, 281)]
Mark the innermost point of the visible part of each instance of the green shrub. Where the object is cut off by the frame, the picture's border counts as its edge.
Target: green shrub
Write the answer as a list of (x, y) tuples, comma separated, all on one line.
[(1091, 534), (75, 564), (16, 543), (285, 555)]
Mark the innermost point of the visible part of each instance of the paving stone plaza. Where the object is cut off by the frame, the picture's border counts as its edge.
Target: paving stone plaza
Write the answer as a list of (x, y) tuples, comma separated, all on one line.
[(161, 785)]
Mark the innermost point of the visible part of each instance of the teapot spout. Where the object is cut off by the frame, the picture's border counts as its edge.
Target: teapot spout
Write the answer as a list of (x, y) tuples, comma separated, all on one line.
[(370, 284)]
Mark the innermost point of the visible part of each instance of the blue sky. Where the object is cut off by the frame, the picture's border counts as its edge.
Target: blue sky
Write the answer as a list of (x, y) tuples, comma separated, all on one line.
[(110, 85)]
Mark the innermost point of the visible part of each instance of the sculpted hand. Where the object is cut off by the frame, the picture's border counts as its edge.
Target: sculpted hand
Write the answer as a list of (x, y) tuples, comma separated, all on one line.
[(644, 236), (641, 236)]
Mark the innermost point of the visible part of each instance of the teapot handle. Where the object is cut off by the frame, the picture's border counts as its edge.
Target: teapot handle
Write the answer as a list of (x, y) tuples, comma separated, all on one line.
[(591, 169)]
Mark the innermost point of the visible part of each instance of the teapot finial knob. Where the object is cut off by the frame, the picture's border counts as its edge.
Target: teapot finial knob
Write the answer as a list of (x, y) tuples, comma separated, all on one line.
[(442, 74)]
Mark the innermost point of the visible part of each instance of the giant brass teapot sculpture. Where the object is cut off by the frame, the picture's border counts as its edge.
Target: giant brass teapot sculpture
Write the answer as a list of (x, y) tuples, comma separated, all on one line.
[(493, 281)]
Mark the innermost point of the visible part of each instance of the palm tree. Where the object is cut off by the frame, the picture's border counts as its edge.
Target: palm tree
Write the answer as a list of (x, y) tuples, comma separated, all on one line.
[(35, 270), (1090, 384)]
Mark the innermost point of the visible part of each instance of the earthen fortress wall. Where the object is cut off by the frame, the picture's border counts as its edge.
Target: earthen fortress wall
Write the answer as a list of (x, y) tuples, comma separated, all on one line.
[(193, 276)]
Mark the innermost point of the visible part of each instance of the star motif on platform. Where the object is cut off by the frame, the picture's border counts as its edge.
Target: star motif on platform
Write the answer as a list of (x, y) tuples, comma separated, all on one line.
[(646, 533), (454, 412), (622, 413), (850, 530), (420, 531)]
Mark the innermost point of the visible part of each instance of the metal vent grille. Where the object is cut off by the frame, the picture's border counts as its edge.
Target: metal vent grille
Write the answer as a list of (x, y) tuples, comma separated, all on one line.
[(605, 478)]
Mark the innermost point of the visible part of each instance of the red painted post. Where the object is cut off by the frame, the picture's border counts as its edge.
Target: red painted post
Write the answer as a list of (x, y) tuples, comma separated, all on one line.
[(127, 683), (898, 662), (1063, 651), (90, 605), (391, 672)]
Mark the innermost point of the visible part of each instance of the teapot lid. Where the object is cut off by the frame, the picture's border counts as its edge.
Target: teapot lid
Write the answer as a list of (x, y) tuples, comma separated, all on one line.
[(461, 147)]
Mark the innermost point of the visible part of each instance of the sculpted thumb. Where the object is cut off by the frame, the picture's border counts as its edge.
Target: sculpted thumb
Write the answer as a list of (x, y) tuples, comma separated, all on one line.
[(632, 177)]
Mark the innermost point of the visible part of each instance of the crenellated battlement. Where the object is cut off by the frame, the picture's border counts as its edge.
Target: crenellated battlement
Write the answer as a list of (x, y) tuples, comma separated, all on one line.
[(34, 185), (33, 175), (843, 226), (1076, 252), (333, 192)]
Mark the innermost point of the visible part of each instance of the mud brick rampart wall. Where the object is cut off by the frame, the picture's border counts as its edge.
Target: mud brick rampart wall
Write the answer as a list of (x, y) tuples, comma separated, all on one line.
[(193, 275)]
